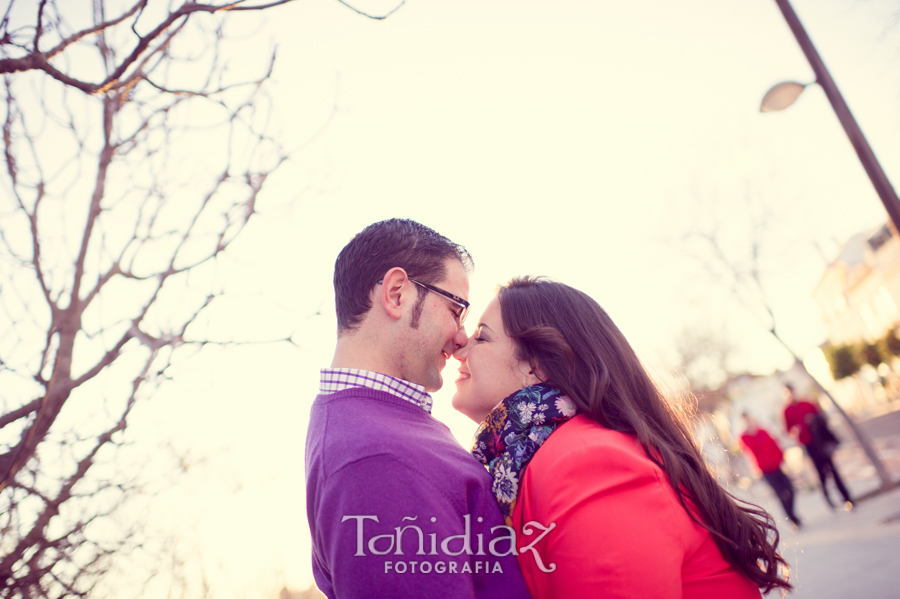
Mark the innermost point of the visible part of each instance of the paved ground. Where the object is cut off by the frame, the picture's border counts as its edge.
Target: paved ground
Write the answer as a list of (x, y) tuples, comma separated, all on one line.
[(846, 555)]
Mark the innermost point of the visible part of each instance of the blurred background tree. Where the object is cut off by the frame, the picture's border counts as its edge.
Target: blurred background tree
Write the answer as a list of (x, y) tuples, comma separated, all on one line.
[(842, 360), (702, 355), (847, 360)]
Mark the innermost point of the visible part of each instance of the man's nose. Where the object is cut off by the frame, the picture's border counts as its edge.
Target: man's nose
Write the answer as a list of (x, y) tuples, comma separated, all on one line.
[(460, 340)]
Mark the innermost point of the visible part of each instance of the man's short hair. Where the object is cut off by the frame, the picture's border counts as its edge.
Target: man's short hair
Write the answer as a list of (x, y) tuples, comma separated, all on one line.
[(417, 249)]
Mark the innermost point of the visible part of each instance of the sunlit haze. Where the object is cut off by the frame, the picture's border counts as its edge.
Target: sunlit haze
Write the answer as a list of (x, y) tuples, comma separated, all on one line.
[(584, 141)]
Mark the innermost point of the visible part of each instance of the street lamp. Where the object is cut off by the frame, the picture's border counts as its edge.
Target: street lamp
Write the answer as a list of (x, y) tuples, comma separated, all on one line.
[(784, 94)]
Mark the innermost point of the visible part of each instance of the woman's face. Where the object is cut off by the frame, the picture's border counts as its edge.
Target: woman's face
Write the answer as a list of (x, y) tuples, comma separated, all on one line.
[(488, 369)]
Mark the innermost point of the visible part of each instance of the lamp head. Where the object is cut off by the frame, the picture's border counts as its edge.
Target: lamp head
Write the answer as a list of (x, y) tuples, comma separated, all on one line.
[(781, 96)]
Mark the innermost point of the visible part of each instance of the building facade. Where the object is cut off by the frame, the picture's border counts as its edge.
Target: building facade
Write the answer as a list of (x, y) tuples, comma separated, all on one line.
[(858, 296)]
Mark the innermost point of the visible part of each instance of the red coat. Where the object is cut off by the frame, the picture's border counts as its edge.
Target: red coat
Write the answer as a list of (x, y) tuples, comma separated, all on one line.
[(795, 414), (620, 530), (764, 449)]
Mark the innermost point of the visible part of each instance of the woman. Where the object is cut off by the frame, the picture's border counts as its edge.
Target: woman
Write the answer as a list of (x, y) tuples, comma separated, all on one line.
[(613, 477)]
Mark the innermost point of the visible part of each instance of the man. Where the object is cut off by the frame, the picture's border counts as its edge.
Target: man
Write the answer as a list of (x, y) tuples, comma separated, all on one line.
[(805, 421), (768, 456), (396, 507)]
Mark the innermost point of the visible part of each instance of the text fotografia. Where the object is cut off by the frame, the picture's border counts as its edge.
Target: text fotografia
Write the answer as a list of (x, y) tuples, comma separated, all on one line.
[(502, 545), (441, 567)]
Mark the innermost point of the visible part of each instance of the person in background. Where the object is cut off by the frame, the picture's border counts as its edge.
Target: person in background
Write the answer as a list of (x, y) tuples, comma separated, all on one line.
[(769, 457), (805, 422), (594, 467)]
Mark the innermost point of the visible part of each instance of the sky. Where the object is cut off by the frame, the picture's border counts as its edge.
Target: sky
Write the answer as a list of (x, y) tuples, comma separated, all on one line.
[(583, 141), (609, 133)]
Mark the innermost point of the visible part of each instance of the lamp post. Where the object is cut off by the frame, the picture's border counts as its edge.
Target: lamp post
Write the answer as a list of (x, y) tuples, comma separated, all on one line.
[(783, 95)]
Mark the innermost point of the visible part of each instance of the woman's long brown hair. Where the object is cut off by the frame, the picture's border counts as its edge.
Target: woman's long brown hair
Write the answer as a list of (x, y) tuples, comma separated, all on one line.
[(578, 348)]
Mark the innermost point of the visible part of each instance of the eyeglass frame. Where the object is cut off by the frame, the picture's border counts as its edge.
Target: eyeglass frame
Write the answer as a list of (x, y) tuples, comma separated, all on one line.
[(461, 317)]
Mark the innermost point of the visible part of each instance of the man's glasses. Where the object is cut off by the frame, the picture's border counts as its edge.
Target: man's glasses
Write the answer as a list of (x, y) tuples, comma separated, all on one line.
[(463, 304)]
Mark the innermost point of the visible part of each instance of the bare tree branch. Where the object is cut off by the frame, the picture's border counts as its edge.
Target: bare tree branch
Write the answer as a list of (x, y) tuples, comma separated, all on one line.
[(37, 60), (37, 536), (371, 16), (26, 410), (40, 24), (102, 26)]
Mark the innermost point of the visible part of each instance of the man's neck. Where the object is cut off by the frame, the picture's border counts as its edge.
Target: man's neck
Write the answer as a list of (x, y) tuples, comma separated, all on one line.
[(356, 353)]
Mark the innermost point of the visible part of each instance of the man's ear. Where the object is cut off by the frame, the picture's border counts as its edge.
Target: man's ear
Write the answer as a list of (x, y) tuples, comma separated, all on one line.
[(395, 292)]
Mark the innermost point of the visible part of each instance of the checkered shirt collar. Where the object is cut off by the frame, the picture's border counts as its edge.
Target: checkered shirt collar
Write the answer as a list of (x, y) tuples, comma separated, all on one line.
[(333, 380)]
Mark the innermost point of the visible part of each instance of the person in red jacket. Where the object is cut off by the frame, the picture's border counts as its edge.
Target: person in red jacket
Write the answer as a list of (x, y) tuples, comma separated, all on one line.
[(603, 488), (804, 420), (768, 457)]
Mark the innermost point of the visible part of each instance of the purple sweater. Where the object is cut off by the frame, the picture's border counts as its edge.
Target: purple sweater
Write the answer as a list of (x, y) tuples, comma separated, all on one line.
[(371, 455)]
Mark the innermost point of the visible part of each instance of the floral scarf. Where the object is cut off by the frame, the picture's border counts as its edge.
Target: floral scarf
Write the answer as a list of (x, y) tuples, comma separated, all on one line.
[(511, 434)]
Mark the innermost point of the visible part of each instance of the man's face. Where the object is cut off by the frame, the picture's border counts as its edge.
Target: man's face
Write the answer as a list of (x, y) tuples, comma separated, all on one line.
[(429, 346)]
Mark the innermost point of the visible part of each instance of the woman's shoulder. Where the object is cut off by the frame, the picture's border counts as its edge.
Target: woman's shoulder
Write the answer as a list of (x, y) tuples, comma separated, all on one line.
[(581, 448), (582, 435)]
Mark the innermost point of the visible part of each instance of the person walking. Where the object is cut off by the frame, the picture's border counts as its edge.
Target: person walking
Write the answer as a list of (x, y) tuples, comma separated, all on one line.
[(804, 420), (769, 457)]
